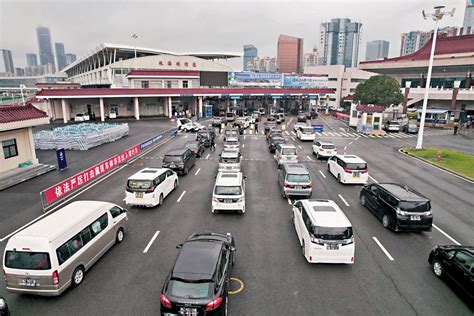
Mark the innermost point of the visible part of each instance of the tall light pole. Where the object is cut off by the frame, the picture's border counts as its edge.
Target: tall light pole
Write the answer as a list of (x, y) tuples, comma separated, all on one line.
[(22, 86), (436, 16), (135, 36)]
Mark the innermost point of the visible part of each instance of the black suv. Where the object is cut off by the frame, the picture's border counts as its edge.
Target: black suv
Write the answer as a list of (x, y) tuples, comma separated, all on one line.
[(455, 263), (204, 136), (179, 160), (399, 207), (199, 280)]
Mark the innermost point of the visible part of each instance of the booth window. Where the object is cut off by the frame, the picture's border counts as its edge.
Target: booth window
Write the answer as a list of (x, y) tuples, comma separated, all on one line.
[(145, 85), (9, 148), (185, 84)]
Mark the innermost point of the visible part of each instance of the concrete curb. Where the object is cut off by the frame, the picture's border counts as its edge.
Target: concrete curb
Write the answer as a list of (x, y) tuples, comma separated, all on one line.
[(458, 175)]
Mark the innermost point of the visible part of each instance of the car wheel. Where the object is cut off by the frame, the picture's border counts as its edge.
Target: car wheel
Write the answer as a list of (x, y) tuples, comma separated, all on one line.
[(317, 156), (339, 178), (77, 276), (362, 200), (119, 237), (175, 184), (160, 201), (303, 249), (186, 170), (386, 221), (437, 268)]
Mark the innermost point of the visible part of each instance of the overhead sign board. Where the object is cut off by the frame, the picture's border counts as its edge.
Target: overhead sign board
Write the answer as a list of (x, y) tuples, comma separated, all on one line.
[(302, 81), (255, 79)]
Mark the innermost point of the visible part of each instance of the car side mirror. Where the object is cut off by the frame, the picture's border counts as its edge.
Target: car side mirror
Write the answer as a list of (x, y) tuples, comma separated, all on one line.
[(179, 246), (245, 177), (232, 248)]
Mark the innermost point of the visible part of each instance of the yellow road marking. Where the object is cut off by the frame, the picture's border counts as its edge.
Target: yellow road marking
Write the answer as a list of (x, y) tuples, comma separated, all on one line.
[(239, 289)]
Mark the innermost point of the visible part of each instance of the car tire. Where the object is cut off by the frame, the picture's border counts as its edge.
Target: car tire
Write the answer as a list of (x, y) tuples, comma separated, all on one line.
[(120, 235), (317, 156), (160, 201), (303, 250), (437, 268), (175, 184), (77, 276), (339, 178), (362, 200), (386, 221)]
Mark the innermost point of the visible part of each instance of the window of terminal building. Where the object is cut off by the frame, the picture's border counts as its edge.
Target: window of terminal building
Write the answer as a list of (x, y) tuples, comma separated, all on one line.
[(168, 84), (332, 79), (145, 84), (185, 84), (9, 148)]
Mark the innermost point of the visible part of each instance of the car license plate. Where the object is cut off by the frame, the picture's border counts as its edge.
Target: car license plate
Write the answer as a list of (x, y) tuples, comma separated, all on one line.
[(172, 165), (332, 247), (415, 218), (356, 175), (139, 195), (298, 187), (329, 152), (188, 311), (30, 282)]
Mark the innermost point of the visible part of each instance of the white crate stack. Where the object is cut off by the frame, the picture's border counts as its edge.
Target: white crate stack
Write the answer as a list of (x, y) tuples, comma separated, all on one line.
[(80, 136)]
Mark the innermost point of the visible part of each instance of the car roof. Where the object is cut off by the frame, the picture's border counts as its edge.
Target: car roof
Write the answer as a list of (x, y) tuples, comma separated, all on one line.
[(176, 152), (403, 192), (231, 139), (287, 146), (147, 174), (306, 127), (469, 249), (197, 260), (230, 154), (322, 142), (229, 178), (335, 218), (351, 158), (295, 168)]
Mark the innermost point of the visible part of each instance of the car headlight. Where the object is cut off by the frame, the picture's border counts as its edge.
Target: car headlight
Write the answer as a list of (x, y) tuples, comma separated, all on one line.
[(3, 304)]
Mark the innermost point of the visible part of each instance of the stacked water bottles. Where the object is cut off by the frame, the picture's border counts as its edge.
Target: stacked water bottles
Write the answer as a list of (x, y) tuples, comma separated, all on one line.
[(80, 136)]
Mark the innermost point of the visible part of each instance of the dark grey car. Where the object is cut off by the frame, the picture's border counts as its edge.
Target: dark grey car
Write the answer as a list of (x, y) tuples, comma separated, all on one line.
[(179, 160)]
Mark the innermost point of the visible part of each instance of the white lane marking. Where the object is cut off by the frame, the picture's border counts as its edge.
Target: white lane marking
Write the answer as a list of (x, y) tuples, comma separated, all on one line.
[(245, 137), (220, 136), (151, 242), (324, 133), (322, 174), (342, 129), (287, 133), (373, 179), (85, 189), (319, 133), (293, 133), (447, 236), (299, 146), (251, 132), (181, 196), (343, 200), (197, 172), (185, 136), (293, 139), (207, 157), (309, 158), (345, 147), (289, 201), (243, 145), (383, 248)]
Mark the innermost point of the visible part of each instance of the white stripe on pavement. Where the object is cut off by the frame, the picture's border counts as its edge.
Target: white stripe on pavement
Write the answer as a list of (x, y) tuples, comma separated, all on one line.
[(287, 133), (447, 236), (197, 172), (373, 179), (151, 241), (207, 157), (309, 158), (343, 200), (289, 201), (383, 249), (180, 197), (299, 146), (243, 145), (325, 134), (322, 174), (293, 139)]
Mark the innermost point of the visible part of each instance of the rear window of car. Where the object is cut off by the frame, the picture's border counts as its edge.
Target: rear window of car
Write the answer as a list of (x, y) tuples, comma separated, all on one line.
[(140, 184), (288, 151), (415, 206), (27, 260), (356, 166), (332, 233), (228, 190), (173, 158), (298, 178), (231, 142), (190, 290), (229, 160), (191, 145), (328, 146), (301, 119)]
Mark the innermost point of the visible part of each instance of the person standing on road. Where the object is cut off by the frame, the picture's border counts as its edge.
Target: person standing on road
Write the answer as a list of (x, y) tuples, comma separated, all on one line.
[(256, 128), (213, 144), (455, 128)]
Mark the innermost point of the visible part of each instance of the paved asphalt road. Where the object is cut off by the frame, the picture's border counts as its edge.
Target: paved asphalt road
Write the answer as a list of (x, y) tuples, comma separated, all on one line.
[(278, 281)]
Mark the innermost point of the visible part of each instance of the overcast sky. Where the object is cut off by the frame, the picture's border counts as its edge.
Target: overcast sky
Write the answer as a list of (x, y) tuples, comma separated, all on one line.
[(217, 26)]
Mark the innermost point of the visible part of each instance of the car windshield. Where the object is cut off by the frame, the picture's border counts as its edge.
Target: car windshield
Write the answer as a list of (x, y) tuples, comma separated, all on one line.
[(278, 141), (27, 260), (230, 114), (332, 233), (79, 114), (301, 120), (298, 178), (190, 289), (328, 146), (139, 184), (356, 166), (307, 129), (288, 151), (191, 145), (228, 190), (231, 142), (412, 206), (173, 158), (229, 160)]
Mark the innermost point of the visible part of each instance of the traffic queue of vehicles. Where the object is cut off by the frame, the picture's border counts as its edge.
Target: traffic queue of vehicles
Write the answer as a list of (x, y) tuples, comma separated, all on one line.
[(55, 252)]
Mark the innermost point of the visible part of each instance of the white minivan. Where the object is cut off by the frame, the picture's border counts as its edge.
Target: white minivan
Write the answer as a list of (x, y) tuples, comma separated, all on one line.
[(349, 169), (229, 193), (305, 133), (324, 232), (55, 252), (150, 186)]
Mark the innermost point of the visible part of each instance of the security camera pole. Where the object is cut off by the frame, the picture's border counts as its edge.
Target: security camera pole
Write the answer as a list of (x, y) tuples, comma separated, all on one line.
[(436, 16), (135, 36)]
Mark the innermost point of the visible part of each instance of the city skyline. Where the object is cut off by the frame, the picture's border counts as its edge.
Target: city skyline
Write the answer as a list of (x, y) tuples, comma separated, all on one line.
[(300, 19)]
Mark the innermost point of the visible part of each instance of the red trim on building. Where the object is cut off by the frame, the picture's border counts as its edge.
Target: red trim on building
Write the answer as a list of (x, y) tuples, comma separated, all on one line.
[(444, 46), (9, 114), (369, 108), (349, 98), (164, 73), (180, 91), (57, 84)]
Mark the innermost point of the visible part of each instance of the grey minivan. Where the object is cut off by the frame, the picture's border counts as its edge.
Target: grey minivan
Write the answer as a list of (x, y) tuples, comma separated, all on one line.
[(294, 179)]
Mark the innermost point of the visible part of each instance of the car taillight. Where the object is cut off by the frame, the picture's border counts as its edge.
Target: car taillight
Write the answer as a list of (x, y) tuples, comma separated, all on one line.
[(316, 240), (215, 303), (308, 186), (242, 199), (5, 275), (165, 301), (321, 149), (128, 189), (55, 277), (150, 190), (365, 171), (347, 170), (214, 199), (287, 185)]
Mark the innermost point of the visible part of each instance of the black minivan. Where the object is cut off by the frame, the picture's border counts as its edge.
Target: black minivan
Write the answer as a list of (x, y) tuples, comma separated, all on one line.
[(199, 280), (179, 160), (399, 207)]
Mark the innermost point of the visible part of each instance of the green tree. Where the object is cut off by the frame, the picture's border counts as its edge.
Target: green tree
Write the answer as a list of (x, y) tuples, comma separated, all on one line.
[(379, 90)]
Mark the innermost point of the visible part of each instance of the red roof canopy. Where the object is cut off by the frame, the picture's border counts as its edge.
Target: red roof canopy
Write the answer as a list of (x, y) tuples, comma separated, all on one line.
[(370, 108), (181, 73), (444, 46), (9, 113)]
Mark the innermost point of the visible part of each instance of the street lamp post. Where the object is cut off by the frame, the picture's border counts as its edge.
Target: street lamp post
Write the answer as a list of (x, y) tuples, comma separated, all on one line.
[(22, 86), (135, 36), (436, 16)]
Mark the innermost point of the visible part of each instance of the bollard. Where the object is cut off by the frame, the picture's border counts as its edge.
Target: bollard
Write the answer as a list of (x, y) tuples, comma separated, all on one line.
[(438, 157)]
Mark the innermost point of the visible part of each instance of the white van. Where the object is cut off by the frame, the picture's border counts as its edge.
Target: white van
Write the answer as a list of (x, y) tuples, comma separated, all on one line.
[(150, 186), (305, 133), (229, 193), (324, 232), (349, 169), (52, 254), (230, 161)]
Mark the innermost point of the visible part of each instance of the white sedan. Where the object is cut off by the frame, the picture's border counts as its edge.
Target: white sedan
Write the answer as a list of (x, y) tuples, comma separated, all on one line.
[(305, 133), (324, 149), (82, 117), (297, 126)]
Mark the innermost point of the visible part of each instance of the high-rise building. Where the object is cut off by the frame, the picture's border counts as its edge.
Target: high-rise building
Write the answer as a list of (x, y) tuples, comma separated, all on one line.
[(376, 50), (290, 54), (45, 47), (340, 41), (264, 64), (19, 72), (60, 55), (250, 52), (311, 59), (413, 41), (468, 24), (7, 62), (70, 58), (31, 60)]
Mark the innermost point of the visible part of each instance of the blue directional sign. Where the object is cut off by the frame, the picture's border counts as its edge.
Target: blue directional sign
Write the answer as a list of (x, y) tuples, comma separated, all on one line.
[(61, 155)]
